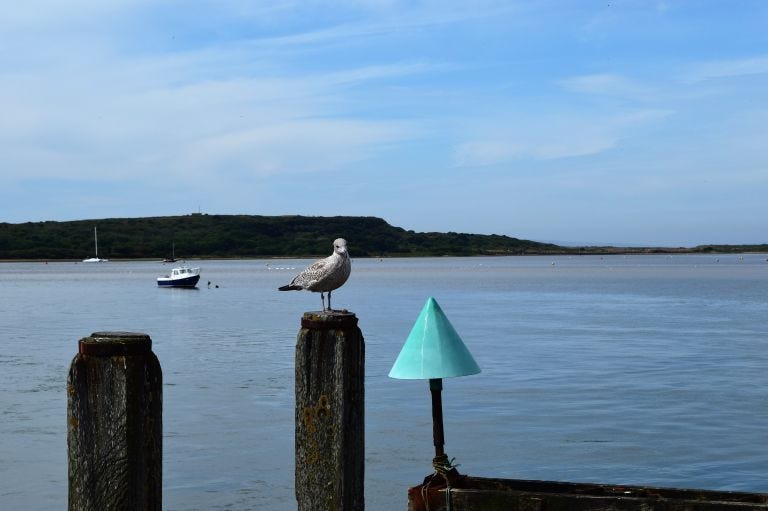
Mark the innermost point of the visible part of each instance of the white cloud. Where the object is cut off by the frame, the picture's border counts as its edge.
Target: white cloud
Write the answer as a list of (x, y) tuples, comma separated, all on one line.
[(369, 73), (607, 84), (536, 146), (550, 135), (206, 129), (486, 152), (757, 65), (93, 114), (308, 145)]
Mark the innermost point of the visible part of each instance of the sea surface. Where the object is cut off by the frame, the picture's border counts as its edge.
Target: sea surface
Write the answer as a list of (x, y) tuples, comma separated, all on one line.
[(645, 370)]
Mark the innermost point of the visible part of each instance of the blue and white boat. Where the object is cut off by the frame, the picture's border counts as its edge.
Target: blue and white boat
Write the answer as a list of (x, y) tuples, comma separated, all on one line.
[(180, 277)]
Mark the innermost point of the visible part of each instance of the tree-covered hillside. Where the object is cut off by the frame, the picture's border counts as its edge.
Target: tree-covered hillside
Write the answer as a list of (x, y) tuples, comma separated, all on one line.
[(200, 235)]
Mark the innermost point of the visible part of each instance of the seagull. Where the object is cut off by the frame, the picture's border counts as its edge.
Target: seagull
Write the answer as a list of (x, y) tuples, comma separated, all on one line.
[(324, 275)]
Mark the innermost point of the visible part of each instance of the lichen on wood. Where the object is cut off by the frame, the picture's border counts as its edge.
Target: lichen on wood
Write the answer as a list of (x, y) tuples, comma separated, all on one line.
[(330, 446)]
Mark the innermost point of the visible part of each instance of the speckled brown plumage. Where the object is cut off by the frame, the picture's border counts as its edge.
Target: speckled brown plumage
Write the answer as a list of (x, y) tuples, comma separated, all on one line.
[(324, 275)]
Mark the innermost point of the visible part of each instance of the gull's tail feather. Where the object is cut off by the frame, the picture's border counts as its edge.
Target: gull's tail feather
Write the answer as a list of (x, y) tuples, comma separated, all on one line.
[(289, 288)]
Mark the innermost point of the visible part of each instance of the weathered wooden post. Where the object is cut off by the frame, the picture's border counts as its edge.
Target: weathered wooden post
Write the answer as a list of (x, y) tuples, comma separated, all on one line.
[(115, 431), (330, 437)]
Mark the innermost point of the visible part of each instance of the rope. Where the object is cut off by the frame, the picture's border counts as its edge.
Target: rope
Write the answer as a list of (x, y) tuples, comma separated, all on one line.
[(442, 466), (425, 494)]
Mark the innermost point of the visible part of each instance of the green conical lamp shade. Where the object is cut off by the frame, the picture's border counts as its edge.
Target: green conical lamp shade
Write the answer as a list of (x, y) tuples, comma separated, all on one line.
[(433, 349)]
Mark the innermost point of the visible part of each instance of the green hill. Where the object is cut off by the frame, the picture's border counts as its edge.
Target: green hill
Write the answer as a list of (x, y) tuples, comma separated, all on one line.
[(243, 236)]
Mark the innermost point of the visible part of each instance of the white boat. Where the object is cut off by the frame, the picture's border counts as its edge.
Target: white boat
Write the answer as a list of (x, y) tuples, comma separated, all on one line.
[(180, 277), (96, 243)]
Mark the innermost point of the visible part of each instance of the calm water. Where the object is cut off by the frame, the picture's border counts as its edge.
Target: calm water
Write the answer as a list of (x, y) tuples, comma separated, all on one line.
[(645, 370)]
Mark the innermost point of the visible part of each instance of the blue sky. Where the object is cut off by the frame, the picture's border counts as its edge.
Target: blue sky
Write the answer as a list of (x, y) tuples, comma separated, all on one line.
[(627, 122)]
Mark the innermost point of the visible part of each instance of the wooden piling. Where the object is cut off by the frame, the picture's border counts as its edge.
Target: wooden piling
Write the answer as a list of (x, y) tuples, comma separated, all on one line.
[(330, 443), (114, 432)]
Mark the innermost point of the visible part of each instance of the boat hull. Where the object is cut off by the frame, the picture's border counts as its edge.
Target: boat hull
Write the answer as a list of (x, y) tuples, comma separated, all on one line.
[(185, 282)]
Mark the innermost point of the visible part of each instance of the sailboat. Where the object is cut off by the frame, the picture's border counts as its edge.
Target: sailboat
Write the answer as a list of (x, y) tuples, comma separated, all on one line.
[(171, 259), (96, 242)]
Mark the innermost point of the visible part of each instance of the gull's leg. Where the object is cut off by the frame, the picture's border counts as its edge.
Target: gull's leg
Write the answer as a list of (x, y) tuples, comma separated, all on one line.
[(329, 302), (322, 298)]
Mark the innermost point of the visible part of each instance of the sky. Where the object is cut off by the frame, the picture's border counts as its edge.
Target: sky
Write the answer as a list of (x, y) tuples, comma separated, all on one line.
[(636, 122)]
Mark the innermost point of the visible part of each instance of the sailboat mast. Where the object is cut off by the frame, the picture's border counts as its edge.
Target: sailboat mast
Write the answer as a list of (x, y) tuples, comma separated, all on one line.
[(96, 242)]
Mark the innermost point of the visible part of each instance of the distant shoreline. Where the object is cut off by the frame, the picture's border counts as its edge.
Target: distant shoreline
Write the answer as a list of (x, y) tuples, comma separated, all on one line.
[(203, 236), (602, 252)]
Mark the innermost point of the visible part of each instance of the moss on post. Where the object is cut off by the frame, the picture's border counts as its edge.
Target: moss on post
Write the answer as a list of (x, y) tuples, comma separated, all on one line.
[(330, 443)]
